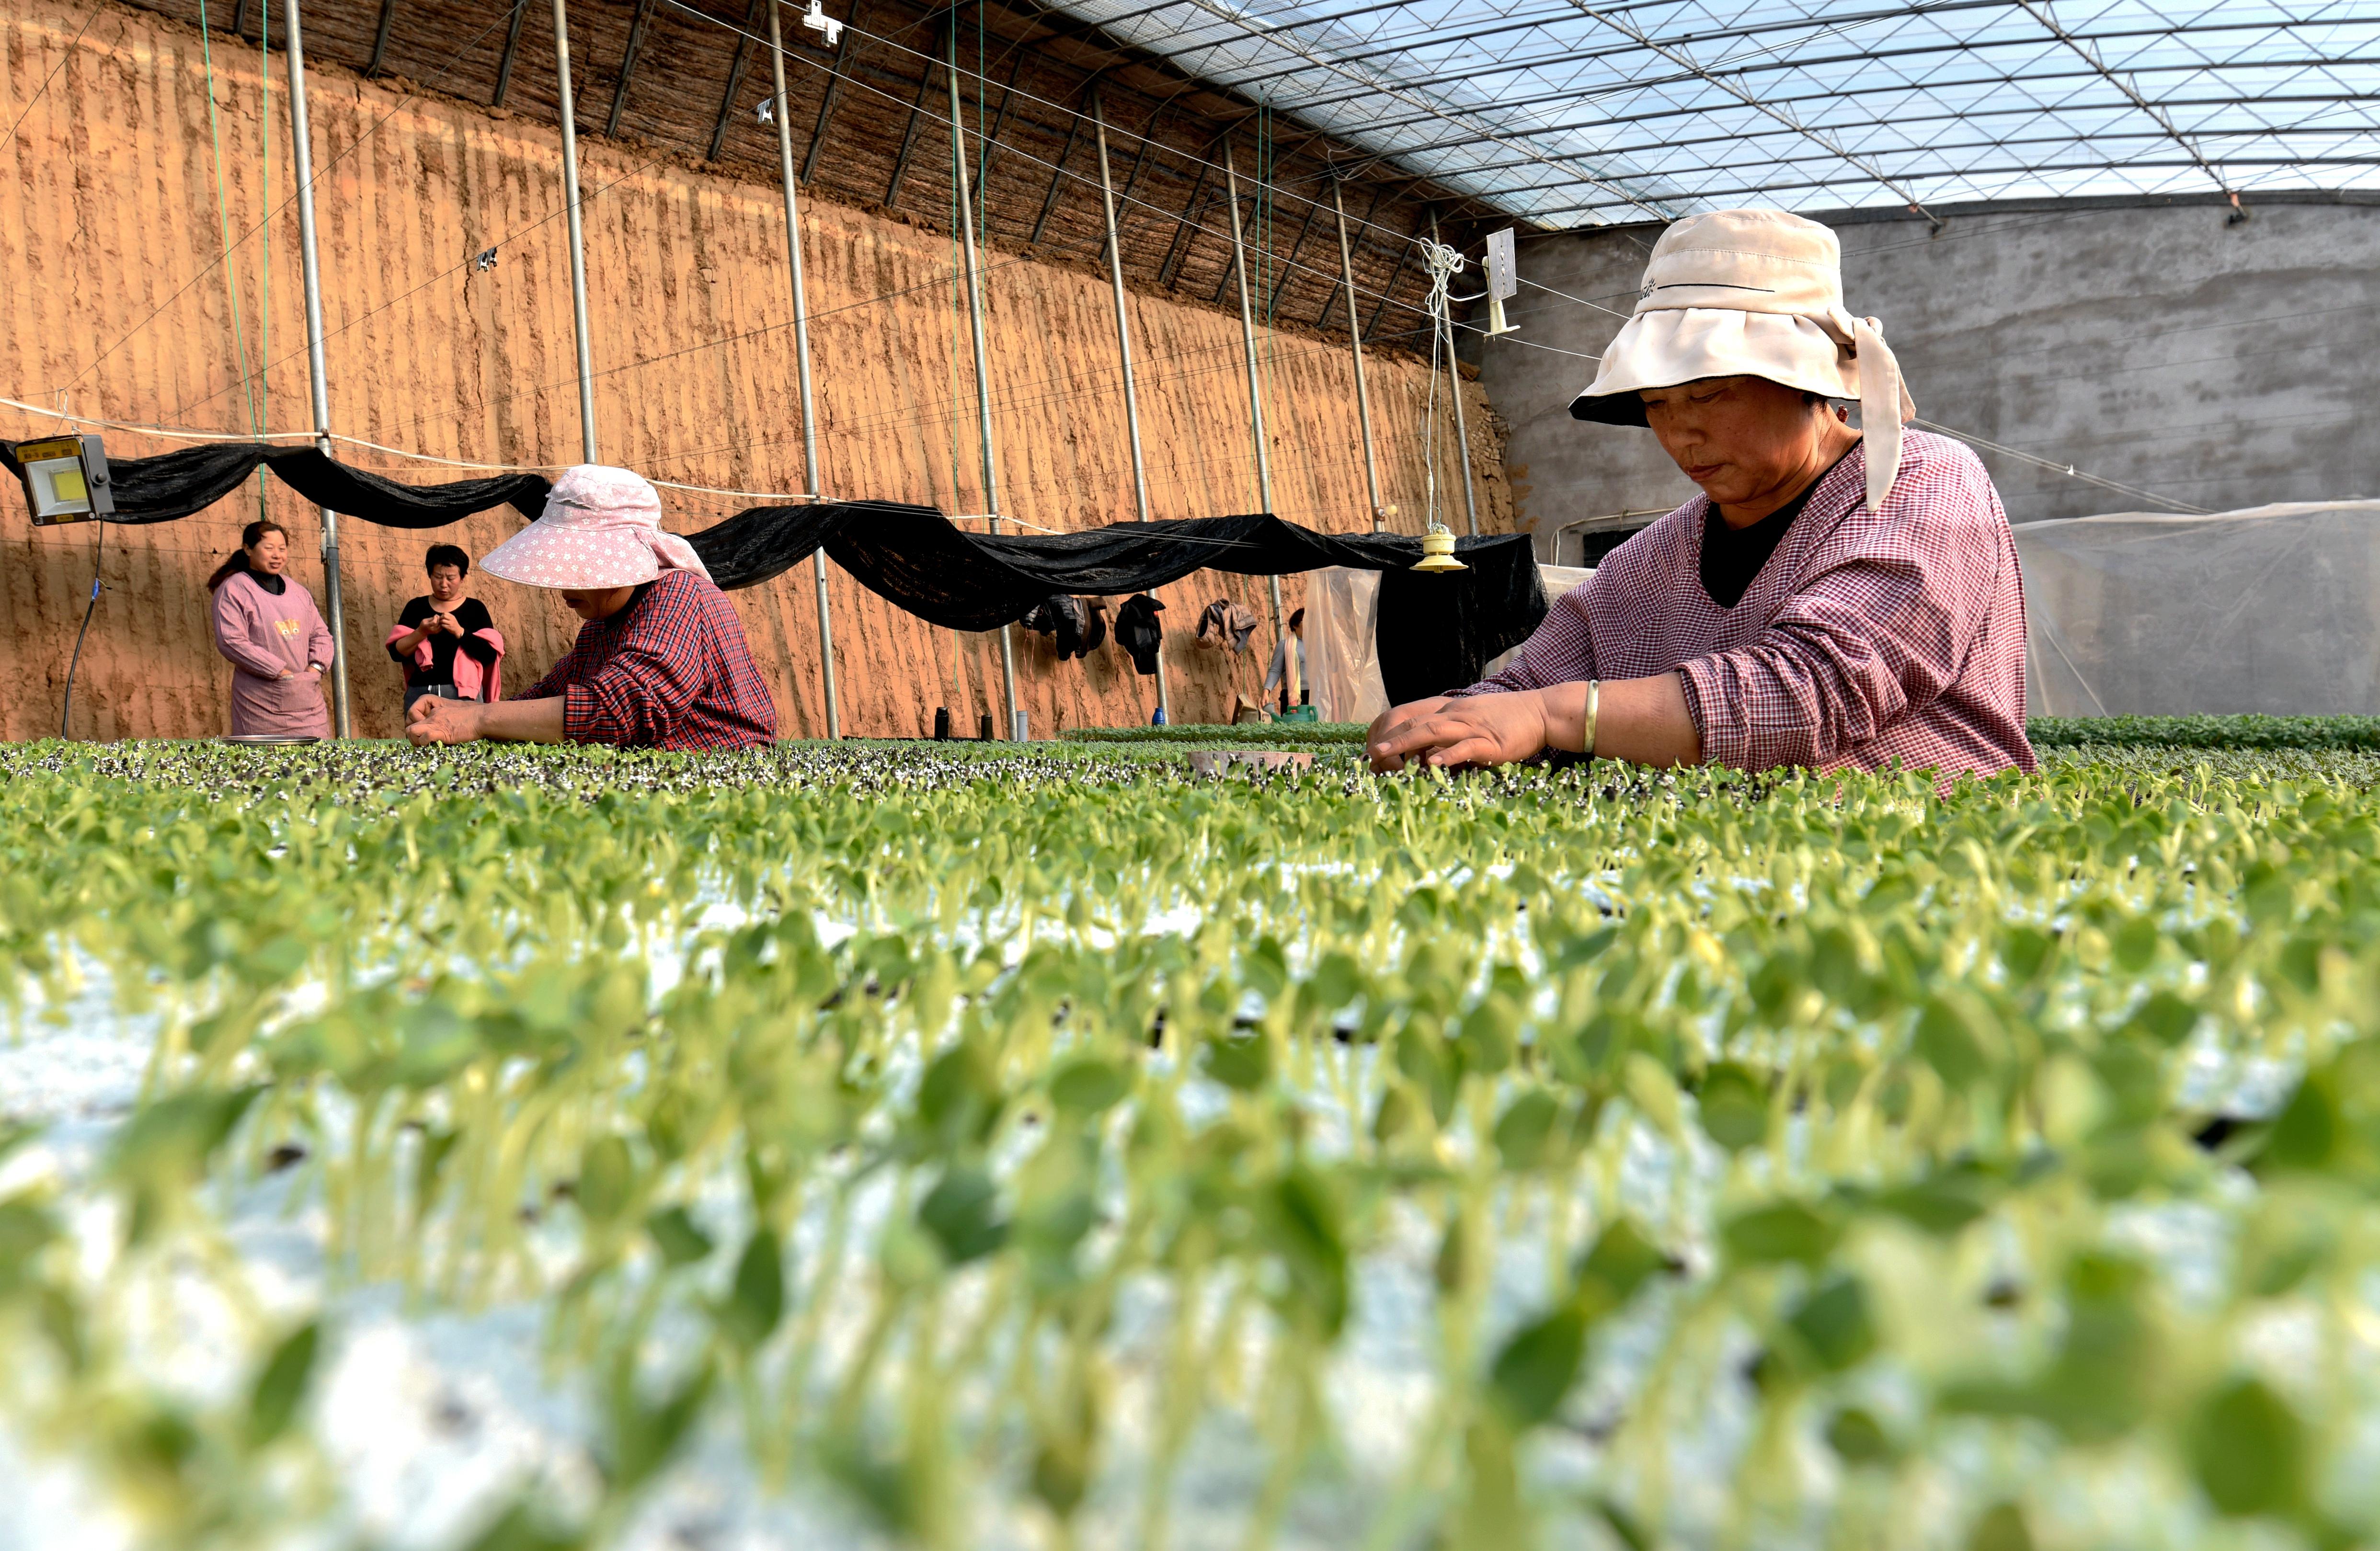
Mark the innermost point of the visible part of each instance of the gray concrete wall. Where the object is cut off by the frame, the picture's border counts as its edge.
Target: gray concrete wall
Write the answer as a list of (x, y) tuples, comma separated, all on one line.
[(2147, 342)]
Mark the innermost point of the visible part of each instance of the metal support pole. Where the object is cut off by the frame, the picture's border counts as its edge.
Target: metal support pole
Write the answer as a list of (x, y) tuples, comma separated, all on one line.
[(1248, 341), (1355, 342), (802, 360), (1124, 353), (982, 374), (577, 241), (1123, 328), (1454, 376), (317, 374)]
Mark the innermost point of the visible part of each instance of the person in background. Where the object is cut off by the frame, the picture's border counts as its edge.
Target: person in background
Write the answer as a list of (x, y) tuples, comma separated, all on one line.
[(1278, 672), (448, 645), (267, 625), (660, 662)]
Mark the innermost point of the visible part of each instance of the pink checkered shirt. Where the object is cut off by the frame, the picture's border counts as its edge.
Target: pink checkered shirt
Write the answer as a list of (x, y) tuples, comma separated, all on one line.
[(1869, 636), (670, 670)]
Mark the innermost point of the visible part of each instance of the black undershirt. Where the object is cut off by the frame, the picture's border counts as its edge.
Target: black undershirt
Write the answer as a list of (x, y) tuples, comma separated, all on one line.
[(471, 614), (1732, 557)]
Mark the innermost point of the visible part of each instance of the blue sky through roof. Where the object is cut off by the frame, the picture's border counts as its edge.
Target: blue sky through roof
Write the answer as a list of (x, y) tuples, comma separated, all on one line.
[(1569, 113)]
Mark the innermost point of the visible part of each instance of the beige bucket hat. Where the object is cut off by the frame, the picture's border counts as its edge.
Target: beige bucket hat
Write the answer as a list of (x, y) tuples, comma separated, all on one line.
[(602, 528), (1753, 293)]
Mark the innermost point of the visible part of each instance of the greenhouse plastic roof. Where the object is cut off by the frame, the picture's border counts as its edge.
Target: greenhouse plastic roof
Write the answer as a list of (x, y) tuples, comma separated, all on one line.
[(1566, 112)]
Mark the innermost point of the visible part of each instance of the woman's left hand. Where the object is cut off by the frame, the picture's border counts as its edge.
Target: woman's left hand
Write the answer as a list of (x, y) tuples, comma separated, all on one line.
[(1471, 730)]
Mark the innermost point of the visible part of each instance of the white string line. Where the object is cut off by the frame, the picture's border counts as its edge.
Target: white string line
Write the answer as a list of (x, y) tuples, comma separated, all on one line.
[(217, 437), (66, 55), (1331, 278), (320, 172), (1418, 97), (1333, 281), (1567, 297), (174, 433), (2056, 467), (585, 198), (2067, 468), (984, 83)]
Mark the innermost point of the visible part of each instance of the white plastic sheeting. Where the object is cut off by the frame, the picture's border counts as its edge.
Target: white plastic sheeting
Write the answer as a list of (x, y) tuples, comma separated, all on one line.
[(1342, 656), (2274, 608), (1342, 660)]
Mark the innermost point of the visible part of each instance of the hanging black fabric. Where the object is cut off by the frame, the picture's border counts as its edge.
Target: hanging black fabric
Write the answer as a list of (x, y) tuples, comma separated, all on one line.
[(176, 484), (1436, 630), (1140, 632), (353, 492)]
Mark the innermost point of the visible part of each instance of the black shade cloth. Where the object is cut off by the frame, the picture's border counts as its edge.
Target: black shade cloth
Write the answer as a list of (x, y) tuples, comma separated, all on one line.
[(176, 484), (1436, 630)]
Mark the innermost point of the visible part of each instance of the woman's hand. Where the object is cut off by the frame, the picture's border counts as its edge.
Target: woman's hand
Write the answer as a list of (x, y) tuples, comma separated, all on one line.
[(449, 625), (1474, 729), (436, 720)]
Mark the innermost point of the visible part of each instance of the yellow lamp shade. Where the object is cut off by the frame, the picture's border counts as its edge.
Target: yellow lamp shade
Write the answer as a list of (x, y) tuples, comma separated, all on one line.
[(1438, 551)]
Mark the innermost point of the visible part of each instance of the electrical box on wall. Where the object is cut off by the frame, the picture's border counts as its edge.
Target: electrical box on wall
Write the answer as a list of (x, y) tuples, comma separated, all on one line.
[(66, 479)]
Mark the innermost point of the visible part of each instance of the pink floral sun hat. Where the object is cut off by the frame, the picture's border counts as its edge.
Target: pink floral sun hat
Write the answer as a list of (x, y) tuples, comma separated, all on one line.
[(601, 528)]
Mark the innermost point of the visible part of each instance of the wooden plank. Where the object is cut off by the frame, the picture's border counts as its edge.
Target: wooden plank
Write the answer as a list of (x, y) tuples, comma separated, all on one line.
[(628, 64), (843, 58), (1057, 180), (735, 79), (512, 47), (1354, 246), (380, 38), (909, 136), (1000, 120), (1185, 230)]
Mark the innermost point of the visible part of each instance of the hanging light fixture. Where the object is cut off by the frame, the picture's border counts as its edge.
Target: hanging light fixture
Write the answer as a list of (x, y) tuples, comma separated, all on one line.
[(1438, 551)]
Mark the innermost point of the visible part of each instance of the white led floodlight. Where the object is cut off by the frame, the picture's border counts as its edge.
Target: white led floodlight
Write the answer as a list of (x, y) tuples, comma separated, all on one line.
[(66, 479), (1503, 279)]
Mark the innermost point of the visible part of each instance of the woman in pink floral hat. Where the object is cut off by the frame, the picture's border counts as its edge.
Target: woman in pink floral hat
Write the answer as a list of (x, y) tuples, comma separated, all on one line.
[(660, 662)]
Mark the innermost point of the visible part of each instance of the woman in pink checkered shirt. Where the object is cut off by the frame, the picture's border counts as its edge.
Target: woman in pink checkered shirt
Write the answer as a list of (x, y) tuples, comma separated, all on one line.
[(660, 662), (1835, 598)]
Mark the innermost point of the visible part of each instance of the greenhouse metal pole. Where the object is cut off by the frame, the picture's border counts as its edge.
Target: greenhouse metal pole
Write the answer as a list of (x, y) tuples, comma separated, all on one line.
[(1454, 376), (802, 360), (317, 374), (982, 375), (1248, 341), (578, 240), (1355, 342), (1124, 353)]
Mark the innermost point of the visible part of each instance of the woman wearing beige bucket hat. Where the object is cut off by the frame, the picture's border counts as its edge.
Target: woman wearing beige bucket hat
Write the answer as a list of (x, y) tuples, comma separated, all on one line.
[(1835, 598), (660, 662)]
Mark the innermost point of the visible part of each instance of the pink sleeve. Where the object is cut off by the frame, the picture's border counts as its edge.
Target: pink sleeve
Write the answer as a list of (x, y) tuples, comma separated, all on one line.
[(1560, 651), (236, 636), (492, 677), (1884, 628)]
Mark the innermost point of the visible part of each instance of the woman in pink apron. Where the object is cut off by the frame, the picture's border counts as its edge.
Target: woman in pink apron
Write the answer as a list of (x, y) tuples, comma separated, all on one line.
[(267, 624)]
